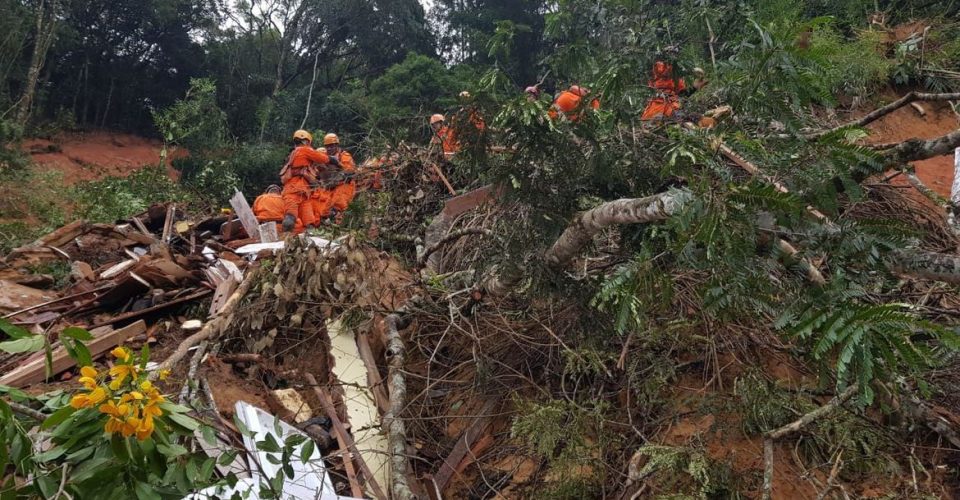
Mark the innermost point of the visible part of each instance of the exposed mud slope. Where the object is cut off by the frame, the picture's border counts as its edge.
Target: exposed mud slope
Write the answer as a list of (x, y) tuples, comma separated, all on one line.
[(94, 155), (907, 123)]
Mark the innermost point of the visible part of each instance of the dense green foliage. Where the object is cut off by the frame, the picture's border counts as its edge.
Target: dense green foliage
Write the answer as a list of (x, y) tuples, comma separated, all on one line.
[(229, 82)]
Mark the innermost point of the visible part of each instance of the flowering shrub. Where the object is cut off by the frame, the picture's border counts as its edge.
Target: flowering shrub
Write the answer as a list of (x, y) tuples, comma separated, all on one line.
[(131, 402)]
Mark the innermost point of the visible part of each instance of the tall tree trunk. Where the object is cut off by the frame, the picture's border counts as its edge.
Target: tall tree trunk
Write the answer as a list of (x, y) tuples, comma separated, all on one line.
[(44, 37)]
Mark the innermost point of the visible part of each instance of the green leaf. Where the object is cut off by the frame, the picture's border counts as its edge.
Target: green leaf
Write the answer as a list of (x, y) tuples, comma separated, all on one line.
[(184, 421), (269, 444), (48, 485), (15, 394), (307, 451), (76, 333), (57, 417), (13, 331), (209, 434), (145, 492), (227, 457), (25, 344), (169, 407), (172, 450), (118, 444), (51, 454)]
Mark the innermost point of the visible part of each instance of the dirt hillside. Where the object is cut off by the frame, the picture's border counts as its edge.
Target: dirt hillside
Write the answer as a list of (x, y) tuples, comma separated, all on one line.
[(94, 155)]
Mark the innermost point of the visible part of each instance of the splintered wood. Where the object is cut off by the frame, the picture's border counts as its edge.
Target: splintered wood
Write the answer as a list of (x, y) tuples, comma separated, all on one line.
[(362, 411)]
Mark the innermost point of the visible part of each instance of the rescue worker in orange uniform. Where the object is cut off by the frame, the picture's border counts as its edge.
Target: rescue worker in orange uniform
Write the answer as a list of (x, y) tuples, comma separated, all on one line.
[(568, 103), (298, 175), (443, 135), (268, 207), (467, 123), (668, 88), (332, 198)]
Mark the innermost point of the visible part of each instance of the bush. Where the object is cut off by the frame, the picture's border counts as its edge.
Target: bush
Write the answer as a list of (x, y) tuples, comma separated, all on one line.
[(248, 167), (114, 198)]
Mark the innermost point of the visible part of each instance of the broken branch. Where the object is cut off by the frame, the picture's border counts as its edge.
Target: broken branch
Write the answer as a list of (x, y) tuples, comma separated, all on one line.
[(886, 110), (795, 426)]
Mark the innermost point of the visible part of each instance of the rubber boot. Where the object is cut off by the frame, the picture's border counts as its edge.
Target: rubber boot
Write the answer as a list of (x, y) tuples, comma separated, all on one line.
[(289, 221)]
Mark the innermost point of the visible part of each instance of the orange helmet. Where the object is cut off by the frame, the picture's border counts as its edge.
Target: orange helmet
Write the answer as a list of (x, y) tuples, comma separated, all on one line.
[(330, 139), (302, 135), (580, 91), (437, 118)]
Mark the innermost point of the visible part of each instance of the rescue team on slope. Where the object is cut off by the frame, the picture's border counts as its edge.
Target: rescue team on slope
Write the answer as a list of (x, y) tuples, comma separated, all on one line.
[(318, 185)]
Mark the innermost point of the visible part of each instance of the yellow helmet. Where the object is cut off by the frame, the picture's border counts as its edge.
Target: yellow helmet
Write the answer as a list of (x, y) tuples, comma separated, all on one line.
[(302, 134), (330, 139), (437, 118)]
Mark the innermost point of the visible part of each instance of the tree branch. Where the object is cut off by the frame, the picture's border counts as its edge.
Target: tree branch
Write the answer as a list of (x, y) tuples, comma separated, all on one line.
[(918, 149), (770, 436), (587, 224), (886, 110)]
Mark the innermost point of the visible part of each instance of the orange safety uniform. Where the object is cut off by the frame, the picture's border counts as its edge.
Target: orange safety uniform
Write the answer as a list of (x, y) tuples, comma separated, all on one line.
[(296, 184), (339, 197), (447, 139), (268, 207), (568, 102), (666, 101)]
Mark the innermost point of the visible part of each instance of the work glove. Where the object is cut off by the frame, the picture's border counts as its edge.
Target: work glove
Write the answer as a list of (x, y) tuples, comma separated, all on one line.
[(289, 222), (334, 161)]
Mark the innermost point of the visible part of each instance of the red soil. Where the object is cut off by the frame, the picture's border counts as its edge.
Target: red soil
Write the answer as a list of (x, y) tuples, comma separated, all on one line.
[(95, 155), (906, 123)]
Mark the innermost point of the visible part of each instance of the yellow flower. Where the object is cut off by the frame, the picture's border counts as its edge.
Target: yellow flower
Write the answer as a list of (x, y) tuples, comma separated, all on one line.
[(121, 353), (114, 425), (131, 396), (120, 373), (115, 410), (88, 371), (164, 374), (145, 429), (93, 398), (130, 426), (88, 377), (152, 410)]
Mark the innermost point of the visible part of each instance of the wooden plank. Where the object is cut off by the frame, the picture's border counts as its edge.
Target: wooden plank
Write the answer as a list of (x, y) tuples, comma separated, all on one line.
[(63, 235), (245, 214), (168, 223), (143, 229), (33, 371), (343, 437), (463, 446), (224, 290), (374, 380), (468, 201), (268, 232), (117, 269)]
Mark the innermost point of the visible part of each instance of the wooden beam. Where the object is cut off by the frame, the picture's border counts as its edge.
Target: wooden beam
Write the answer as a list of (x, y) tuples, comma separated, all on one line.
[(144, 312), (327, 402), (243, 211), (34, 370), (464, 444)]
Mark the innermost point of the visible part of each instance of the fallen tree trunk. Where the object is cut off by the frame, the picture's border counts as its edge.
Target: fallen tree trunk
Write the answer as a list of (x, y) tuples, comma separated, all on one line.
[(587, 224), (396, 430), (918, 149)]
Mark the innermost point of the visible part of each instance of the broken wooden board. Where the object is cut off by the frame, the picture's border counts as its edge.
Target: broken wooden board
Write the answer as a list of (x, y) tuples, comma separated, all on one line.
[(268, 232), (468, 201), (14, 297), (104, 339), (245, 214), (288, 404), (362, 412), (63, 235), (464, 444), (224, 290), (117, 269)]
